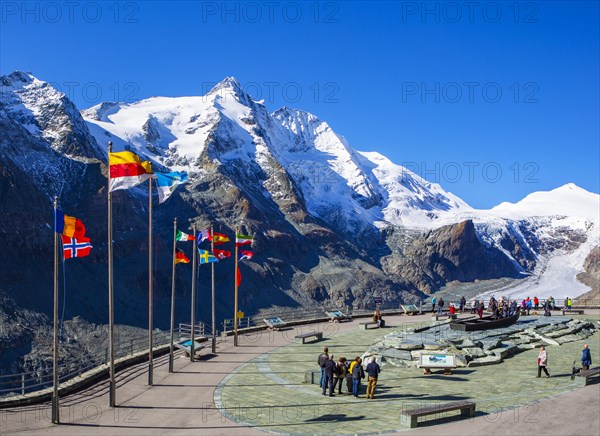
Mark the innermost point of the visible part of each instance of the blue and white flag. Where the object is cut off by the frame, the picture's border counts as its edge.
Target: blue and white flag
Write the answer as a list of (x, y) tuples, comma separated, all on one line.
[(166, 183)]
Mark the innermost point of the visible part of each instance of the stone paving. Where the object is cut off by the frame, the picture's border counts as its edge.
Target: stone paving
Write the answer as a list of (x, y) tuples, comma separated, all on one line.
[(269, 391)]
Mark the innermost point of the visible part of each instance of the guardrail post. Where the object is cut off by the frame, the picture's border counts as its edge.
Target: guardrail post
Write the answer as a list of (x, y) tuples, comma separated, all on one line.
[(22, 384)]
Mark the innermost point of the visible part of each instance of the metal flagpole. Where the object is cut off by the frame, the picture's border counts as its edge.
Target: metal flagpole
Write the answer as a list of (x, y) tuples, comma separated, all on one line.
[(214, 326), (235, 295), (111, 310), (194, 272), (173, 296), (150, 290), (55, 401)]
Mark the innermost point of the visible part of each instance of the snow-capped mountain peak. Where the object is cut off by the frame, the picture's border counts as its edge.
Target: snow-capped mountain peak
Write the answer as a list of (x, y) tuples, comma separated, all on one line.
[(47, 114), (566, 200)]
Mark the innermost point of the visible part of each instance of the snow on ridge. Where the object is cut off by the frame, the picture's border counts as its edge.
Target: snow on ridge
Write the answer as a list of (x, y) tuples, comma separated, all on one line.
[(566, 200)]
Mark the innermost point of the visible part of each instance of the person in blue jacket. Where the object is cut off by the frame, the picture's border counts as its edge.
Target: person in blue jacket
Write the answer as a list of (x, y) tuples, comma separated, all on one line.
[(586, 357)]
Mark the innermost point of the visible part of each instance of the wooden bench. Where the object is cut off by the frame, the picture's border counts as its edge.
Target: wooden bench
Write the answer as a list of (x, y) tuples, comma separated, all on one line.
[(304, 336), (587, 374), (409, 417), (577, 311), (368, 323)]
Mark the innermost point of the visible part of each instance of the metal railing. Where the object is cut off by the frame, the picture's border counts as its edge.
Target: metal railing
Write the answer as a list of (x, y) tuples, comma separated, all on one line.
[(31, 381), (307, 314), (201, 330)]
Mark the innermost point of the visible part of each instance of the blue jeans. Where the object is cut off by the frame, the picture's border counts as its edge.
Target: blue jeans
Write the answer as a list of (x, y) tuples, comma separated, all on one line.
[(322, 377), (355, 386)]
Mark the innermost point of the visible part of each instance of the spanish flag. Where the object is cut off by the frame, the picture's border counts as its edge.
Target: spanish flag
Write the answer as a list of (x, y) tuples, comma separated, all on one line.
[(127, 170)]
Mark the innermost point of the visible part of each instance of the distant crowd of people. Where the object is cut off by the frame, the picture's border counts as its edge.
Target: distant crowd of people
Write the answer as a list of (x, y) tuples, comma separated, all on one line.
[(503, 308)]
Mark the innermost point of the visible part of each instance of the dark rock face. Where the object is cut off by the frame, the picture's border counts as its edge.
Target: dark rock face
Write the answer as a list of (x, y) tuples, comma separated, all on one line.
[(451, 253), (591, 275)]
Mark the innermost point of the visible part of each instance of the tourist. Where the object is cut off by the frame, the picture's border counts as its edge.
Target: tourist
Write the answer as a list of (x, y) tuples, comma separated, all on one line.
[(349, 375), (536, 303), (542, 362), (440, 306), (321, 360), (373, 371), (378, 318), (462, 304), (569, 303), (357, 375), (552, 303), (529, 305), (480, 309), (586, 357), (547, 308), (339, 374), (474, 306), (452, 309), (329, 370), (433, 302)]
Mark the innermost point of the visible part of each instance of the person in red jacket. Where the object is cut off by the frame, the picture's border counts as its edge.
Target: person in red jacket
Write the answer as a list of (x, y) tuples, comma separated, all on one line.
[(536, 303)]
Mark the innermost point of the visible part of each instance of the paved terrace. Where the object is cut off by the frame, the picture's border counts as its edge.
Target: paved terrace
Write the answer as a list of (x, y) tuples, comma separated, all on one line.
[(259, 388)]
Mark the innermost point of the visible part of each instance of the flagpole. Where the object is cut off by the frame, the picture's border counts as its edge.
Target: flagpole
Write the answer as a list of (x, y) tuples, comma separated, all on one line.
[(55, 399), (214, 327), (235, 295), (150, 289), (173, 296), (111, 312), (194, 272)]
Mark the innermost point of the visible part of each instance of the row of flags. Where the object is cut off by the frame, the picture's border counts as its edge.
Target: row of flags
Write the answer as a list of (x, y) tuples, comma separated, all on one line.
[(216, 255)]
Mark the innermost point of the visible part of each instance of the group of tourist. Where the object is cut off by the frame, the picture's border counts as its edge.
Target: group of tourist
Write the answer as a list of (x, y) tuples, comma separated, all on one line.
[(352, 372)]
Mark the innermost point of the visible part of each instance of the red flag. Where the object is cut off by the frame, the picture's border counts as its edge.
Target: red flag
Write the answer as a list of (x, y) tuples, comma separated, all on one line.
[(238, 277), (72, 247), (221, 254)]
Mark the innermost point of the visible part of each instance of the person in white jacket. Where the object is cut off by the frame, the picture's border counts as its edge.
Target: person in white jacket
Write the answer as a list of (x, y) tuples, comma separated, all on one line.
[(542, 362)]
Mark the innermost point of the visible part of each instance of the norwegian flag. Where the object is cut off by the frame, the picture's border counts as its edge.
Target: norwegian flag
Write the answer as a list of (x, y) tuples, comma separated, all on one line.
[(75, 247)]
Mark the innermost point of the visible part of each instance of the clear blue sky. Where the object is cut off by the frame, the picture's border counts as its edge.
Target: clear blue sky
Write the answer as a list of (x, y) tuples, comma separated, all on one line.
[(494, 100)]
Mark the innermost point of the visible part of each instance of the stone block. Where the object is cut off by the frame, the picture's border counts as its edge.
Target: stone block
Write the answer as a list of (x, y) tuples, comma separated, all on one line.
[(488, 360)]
